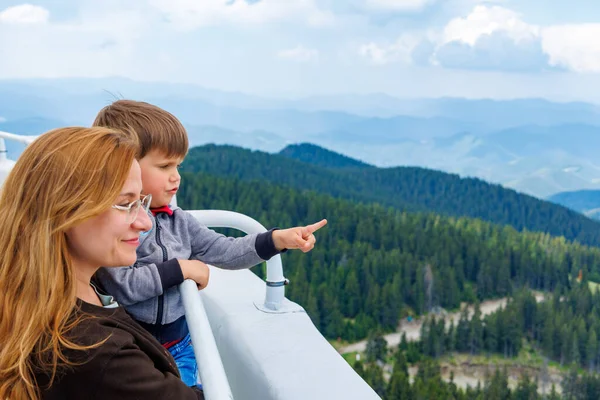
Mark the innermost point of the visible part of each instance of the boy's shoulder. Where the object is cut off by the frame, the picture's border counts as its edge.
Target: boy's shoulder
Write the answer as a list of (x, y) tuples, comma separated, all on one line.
[(177, 222), (179, 214)]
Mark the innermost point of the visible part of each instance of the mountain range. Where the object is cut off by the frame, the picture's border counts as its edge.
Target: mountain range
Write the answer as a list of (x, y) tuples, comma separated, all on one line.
[(307, 167), (532, 145), (586, 202)]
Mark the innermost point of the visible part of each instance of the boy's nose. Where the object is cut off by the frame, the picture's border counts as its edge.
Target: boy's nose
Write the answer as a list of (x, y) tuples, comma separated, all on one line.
[(175, 177)]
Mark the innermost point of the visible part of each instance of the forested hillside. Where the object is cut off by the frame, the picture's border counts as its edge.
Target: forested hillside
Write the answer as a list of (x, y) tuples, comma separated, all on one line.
[(373, 264), (316, 155), (404, 188)]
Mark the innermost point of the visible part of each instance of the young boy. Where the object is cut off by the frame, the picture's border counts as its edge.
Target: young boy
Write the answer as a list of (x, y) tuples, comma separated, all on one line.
[(178, 244)]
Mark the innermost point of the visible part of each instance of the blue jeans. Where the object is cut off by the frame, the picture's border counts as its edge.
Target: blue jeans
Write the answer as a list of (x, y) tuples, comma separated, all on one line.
[(183, 353)]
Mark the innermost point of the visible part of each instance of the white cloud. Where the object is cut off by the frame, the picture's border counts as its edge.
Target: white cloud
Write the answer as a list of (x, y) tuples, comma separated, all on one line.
[(94, 44), (375, 53), (484, 20), (24, 14), (575, 47), (495, 51), (299, 53), (399, 51), (397, 5), (144, 40), (191, 14), (490, 38)]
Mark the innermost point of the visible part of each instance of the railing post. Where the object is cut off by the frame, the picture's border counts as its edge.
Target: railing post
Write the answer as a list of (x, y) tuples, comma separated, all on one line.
[(3, 156), (275, 282), (6, 165)]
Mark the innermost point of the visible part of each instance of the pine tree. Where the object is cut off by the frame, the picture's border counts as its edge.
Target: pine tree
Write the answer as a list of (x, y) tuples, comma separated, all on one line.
[(526, 389), (352, 295), (476, 331), (592, 350), (574, 357), (376, 348), (462, 331), (359, 368), (400, 363), (450, 341), (570, 384), (553, 394), (399, 387), (374, 377), (497, 387), (312, 309)]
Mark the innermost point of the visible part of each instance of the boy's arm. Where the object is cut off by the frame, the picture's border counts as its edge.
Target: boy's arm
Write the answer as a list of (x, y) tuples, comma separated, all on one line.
[(228, 252), (136, 283)]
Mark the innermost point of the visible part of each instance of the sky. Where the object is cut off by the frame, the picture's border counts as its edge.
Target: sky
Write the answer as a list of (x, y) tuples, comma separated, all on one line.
[(291, 48)]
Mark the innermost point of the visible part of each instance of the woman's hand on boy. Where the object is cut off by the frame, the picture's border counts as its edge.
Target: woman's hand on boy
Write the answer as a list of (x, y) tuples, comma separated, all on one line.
[(196, 271), (300, 237)]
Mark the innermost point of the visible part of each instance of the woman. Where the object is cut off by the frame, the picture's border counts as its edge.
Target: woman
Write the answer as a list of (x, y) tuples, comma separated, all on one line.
[(70, 205)]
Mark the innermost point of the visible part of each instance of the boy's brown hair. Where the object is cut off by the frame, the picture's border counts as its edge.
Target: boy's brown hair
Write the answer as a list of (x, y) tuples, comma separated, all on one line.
[(155, 127)]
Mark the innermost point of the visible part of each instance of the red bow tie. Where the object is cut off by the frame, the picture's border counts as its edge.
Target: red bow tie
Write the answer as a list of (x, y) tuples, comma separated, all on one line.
[(163, 209)]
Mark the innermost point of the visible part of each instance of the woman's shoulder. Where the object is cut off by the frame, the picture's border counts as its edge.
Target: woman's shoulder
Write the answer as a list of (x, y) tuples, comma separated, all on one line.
[(127, 354), (102, 330), (96, 323), (98, 344), (120, 333)]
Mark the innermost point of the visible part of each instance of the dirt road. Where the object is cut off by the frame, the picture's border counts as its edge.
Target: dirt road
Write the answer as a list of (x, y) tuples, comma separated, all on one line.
[(466, 373), (413, 328)]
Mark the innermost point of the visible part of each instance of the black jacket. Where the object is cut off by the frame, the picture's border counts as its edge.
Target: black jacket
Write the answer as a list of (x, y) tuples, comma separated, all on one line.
[(131, 364)]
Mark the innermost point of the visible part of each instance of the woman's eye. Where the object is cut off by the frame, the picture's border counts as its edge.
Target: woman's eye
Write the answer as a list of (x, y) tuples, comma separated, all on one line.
[(124, 205)]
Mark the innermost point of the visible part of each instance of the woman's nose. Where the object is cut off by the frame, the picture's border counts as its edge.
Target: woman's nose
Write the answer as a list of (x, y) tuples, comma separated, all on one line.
[(142, 221)]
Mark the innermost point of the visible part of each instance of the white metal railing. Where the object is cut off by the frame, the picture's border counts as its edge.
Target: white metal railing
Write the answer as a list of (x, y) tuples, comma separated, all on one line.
[(17, 138), (210, 367), (275, 287)]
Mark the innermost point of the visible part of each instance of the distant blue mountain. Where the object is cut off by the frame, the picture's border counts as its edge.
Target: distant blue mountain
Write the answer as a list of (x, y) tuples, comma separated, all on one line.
[(577, 139), (239, 111), (498, 114), (30, 126), (584, 201), (399, 129), (532, 145)]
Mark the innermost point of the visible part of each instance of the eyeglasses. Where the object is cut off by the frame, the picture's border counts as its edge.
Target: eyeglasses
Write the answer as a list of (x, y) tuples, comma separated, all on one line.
[(133, 208)]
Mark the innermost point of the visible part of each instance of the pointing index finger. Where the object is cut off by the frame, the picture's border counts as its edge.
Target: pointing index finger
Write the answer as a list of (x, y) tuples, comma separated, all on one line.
[(316, 226)]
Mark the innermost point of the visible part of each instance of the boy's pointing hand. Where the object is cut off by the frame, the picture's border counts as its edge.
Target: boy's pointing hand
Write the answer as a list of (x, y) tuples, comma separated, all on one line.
[(300, 237)]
